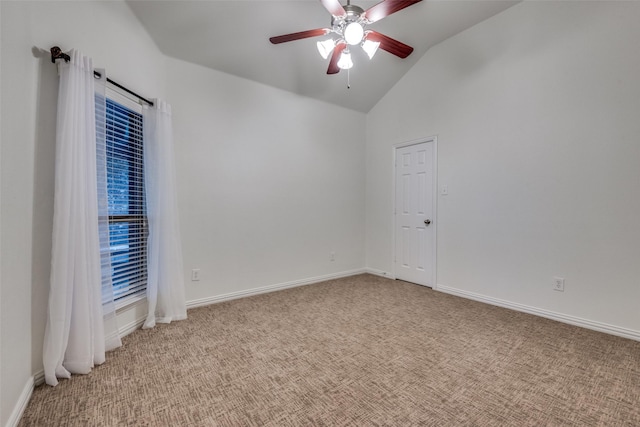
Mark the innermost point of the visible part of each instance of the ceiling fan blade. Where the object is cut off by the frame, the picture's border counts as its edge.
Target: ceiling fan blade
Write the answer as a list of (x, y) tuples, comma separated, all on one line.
[(390, 45), (297, 36), (386, 8), (334, 7), (333, 64)]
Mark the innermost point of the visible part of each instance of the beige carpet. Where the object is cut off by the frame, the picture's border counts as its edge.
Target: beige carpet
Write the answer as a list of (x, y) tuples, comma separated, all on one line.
[(357, 351)]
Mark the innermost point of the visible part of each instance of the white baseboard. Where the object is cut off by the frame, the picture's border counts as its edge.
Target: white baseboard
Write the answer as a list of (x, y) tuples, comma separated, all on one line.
[(564, 318), (38, 378), (380, 273), (21, 404), (131, 326), (271, 288)]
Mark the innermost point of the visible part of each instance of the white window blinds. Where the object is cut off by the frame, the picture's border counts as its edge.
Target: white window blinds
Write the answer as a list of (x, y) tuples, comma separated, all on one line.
[(126, 200)]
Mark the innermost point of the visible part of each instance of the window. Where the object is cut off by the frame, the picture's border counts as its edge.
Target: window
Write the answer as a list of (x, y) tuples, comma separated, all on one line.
[(126, 200)]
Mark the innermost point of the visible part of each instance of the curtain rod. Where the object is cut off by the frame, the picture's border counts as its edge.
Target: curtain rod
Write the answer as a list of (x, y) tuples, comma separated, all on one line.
[(57, 53)]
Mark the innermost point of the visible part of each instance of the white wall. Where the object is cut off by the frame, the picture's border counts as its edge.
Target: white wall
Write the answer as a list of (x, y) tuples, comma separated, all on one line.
[(1, 249), (111, 34), (269, 182), (537, 116)]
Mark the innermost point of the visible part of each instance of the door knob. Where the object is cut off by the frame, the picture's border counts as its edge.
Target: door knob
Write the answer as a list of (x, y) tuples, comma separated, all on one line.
[(427, 221)]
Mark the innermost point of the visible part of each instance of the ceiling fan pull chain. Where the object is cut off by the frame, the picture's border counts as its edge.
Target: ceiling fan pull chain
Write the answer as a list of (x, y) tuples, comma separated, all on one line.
[(348, 78)]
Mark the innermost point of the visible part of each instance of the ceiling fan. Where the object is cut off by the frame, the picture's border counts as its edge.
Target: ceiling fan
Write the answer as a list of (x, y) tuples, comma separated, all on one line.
[(348, 28)]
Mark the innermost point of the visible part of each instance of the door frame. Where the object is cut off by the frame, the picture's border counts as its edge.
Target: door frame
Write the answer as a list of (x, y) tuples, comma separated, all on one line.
[(434, 201)]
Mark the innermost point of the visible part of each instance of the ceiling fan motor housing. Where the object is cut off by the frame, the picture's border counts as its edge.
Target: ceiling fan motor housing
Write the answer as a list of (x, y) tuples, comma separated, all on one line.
[(353, 14)]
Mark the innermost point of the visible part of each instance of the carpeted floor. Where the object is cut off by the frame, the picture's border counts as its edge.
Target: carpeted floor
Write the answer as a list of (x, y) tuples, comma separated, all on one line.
[(362, 350)]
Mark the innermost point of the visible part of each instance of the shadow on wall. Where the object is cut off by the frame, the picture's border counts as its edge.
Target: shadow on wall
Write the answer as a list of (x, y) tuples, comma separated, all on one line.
[(43, 190)]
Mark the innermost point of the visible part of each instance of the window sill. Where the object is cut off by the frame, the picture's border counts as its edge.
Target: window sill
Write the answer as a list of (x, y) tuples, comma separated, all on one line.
[(129, 302)]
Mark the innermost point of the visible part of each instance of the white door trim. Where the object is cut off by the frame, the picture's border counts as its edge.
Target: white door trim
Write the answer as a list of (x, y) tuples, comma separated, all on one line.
[(434, 140)]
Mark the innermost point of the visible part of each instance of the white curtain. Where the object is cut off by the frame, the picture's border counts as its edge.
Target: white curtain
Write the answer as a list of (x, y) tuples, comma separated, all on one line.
[(75, 332), (111, 333), (165, 281)]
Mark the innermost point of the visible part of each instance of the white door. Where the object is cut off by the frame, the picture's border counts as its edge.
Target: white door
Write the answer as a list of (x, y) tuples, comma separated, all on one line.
[(414, 226)]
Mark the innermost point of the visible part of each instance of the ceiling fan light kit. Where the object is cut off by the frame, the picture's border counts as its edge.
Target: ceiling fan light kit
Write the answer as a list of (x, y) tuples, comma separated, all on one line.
[(370, 47), (326, 47), (349, 24), (353, 33), (345, 62)]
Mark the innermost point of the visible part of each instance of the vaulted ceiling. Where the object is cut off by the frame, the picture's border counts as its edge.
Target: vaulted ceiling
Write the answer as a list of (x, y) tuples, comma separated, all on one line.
[(233, 37)]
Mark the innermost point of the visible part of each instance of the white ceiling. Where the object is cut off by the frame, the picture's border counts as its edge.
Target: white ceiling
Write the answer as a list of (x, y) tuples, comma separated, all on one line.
[(233, 37)]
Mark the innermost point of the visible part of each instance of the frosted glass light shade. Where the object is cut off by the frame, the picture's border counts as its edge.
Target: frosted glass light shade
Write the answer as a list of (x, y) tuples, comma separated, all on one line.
[(325, 47), (370, 47), (353, 33), (345, 61)]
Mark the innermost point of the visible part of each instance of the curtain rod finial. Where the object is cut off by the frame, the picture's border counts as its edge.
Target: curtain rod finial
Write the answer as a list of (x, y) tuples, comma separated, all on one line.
[(57, 53)]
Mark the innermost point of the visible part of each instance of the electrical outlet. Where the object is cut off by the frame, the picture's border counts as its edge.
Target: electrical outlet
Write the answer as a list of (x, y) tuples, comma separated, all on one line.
[(558, 284), (332, 256), (195, 275)]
